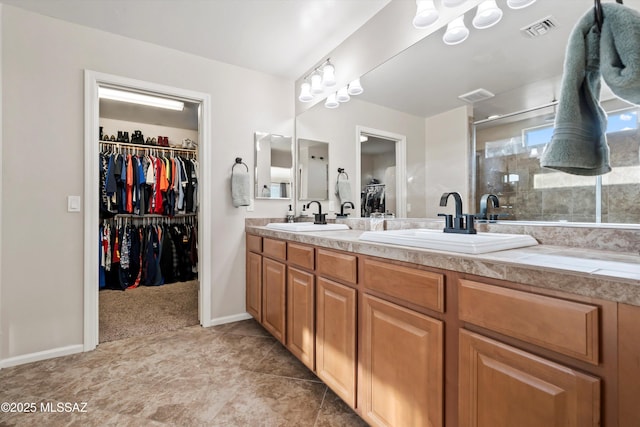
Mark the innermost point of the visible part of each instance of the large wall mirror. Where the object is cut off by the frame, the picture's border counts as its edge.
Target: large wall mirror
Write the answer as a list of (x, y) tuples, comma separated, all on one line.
[(313, 170), (274, 166), (413, 92)]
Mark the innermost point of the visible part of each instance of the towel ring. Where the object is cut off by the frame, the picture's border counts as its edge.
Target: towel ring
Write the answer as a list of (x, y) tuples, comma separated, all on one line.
[(597, 11), (342, 172), (239, 162)]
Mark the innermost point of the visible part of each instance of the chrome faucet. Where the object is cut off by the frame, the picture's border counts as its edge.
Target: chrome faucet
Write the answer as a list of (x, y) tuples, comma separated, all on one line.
[(483, 206), (342, 214), (462, 223), (319, 218)]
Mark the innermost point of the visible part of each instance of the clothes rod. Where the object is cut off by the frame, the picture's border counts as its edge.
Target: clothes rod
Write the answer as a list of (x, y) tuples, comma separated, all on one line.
[(147, 147)]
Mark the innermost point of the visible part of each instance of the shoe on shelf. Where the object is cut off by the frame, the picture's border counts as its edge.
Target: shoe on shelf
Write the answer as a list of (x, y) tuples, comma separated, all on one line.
[(113, 138), (137, 137), (148, 141), (153, 141)]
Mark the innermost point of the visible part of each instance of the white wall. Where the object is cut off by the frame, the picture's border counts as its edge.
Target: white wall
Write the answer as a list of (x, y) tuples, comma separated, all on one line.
[(41, 246), (338, 128), (447, 159)]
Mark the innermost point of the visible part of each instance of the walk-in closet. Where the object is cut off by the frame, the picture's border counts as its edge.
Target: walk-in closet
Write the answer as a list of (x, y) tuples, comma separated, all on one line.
[(149, 205), (378, 176)]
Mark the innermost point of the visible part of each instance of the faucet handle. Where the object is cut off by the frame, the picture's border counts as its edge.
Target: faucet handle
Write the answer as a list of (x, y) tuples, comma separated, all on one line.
[(470, 229), (448, 220)]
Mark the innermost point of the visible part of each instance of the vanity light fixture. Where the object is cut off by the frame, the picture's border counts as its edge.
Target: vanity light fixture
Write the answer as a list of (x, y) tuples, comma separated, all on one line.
[(343, 95), (139, 98), (328, 74), (305, 92), (488, 15), (355, 88), (452, 3), (426, 14), (456, 32), (316, 84), (519, 4), (331, 101)]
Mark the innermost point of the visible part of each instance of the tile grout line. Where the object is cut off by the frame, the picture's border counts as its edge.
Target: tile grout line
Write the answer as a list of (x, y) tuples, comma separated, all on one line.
[(324, 396)]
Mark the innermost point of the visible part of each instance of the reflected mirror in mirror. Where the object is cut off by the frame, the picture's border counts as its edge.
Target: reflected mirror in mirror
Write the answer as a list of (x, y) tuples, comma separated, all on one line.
[(274, 166), (313, 170), (508, 165)]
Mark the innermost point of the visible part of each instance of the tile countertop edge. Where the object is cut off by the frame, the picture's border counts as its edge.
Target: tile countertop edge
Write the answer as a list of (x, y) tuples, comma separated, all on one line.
[(511, 265)]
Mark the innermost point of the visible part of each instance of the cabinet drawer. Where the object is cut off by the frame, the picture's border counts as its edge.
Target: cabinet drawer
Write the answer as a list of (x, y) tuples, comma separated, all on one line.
[(301, 255), (338, 265), (566, 327), (274, 248), (254, 243), (414, 286)]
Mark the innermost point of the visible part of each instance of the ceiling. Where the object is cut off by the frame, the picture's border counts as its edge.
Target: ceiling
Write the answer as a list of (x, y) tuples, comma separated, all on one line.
[(279, 37), (522, 72)]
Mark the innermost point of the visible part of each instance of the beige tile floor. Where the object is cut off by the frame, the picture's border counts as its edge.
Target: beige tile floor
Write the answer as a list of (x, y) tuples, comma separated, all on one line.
[(229, 375)]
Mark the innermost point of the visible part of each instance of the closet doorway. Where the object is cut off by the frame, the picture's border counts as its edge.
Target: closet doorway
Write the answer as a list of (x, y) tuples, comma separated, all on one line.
[(146, 174), (380, 172)]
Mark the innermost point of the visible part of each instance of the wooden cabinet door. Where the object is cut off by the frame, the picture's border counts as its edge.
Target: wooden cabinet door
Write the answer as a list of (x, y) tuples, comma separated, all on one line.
[(300, 315), (274, 280), (401, 381), (501, 386), (336, 338), (254, 285)]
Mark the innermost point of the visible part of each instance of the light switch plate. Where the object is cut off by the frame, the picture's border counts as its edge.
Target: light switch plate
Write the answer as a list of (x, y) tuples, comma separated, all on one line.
[(73, 203), (332, 206)]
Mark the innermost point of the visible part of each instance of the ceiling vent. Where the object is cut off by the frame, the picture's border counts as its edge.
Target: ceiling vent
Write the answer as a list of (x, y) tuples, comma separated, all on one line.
[(540, 27), (476, 96)]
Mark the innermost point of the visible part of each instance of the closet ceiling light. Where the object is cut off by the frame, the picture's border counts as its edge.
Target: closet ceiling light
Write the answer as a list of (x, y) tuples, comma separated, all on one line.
[(488, 15), (332, 102), (138, 98), (328, 75), (343, 95), (519, 4), (456, 32), (305, 92), (355, 88), (426, 15), (452, 3)]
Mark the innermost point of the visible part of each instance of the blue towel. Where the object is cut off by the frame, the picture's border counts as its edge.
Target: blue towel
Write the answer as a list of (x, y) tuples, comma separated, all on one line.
[(579, 144)]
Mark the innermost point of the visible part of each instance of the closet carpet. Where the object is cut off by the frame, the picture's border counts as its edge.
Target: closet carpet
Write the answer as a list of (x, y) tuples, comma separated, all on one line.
[(147, 310), (228, 375)]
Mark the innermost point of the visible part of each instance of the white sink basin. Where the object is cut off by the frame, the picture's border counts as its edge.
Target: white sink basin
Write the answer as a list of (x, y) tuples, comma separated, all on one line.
[(306, 226), (479, 243)]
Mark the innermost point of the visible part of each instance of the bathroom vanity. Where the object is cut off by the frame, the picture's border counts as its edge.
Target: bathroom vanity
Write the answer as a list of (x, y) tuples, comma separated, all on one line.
[(539, 336)]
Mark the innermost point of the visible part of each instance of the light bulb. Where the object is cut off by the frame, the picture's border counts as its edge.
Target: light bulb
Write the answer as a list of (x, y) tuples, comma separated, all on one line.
[(343, 95), (456, 32), (488, 15), (519, 4), (452, 3), (355, 88), (426, 15), (316, 84), (328, 75), (331, 101), (305, 92)]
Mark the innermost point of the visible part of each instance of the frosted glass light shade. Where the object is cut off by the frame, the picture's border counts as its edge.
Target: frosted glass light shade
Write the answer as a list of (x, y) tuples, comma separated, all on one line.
[(456, 32), (452, 3), (328, 75), (316, 84), (519, 4), (426, 14), (331, 101), (355, 88), (305, 92), (343, 95), (488, 15)]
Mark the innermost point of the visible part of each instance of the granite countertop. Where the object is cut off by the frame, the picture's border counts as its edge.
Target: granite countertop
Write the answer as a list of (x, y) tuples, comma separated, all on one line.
[(608, 275)]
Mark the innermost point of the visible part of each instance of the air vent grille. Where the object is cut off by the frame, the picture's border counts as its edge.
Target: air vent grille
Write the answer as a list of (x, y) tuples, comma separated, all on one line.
[(540, 27), (476, 96)]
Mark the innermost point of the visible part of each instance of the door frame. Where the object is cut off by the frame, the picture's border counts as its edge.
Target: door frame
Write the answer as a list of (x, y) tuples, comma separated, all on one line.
[(401, 165), (92, 80)]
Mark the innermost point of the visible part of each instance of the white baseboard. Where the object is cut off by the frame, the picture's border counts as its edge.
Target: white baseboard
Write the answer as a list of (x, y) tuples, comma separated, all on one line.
[(41, 355), (228, 319)]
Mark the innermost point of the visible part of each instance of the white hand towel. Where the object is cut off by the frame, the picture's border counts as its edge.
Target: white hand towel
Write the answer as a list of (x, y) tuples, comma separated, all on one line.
[(240, 188), (343, 190)]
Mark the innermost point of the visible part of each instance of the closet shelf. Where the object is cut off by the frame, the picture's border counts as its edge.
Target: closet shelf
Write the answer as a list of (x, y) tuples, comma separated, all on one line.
[(148, 147), (180, 215)]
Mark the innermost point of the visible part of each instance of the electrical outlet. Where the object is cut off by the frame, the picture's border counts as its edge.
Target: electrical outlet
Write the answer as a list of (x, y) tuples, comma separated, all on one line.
[(332, 206), (250, 208), (408, 207)]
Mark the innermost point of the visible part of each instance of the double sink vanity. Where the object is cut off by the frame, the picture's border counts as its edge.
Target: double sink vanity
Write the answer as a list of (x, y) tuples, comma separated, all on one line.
[(411, 326)]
